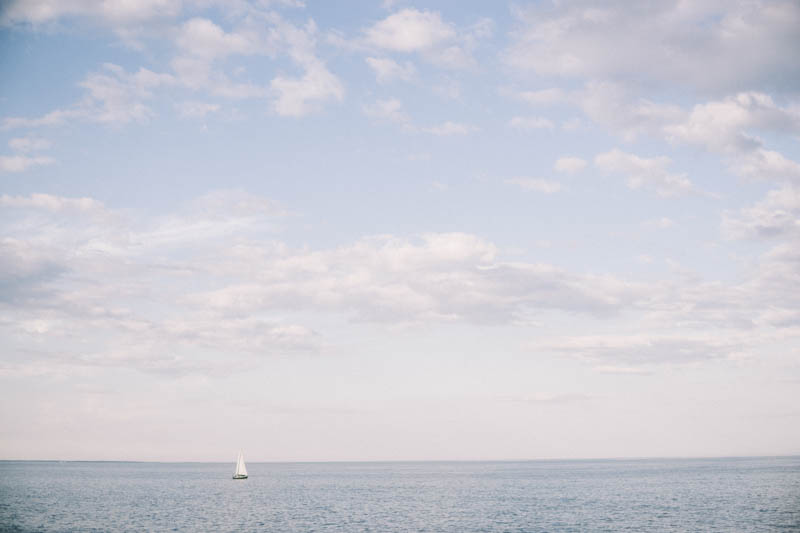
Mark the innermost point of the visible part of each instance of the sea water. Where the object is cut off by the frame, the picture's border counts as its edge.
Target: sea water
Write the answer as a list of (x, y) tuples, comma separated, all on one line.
[(732, 495)]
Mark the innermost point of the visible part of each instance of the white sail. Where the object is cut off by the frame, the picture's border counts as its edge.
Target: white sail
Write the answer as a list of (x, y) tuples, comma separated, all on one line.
[(241, 470)]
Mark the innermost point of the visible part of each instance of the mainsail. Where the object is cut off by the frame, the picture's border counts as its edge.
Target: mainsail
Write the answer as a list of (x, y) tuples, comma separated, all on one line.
[(241, 470)]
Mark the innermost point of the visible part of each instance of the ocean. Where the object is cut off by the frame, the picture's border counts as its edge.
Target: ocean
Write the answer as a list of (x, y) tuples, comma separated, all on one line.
[(731, 495)]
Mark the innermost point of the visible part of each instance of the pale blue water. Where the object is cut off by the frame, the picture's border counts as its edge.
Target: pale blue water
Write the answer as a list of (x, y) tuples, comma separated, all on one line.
[(732, 495)]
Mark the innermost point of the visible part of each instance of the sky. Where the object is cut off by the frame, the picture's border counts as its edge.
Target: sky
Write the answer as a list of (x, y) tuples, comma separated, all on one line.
[(326, 231)]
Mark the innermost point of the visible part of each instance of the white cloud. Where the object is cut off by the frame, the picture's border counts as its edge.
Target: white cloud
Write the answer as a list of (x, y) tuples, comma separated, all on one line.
[(776, 216), (645, 350), (426, 33), (387, 70), (53, 118), (196, 109), (727, 126), (203, 38), (203, 45), (550, 96), (572, 124), (219, 280), (29, 144), (129, 20), (391, 110), (303, 95), (39, 11), (20, 163), (531, 123), (661, 223), (451, 128), (50, 202), (722, 125), (300, 96), (410, 30), (118, 97), (613, 105), (543, 398), (719, 126), (766, 164), (569, 165), (535, 184), (644, 172), (452, 57), (114, 97), (623, 370), (709, 45), (442, 277), (448, 89)]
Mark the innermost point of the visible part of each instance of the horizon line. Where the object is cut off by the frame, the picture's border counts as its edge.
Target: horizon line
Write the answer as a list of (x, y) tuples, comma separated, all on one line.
[(367, 461)]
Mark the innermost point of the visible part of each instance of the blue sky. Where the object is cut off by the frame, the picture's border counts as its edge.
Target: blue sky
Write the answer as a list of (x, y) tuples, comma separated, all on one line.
[(393, 230)]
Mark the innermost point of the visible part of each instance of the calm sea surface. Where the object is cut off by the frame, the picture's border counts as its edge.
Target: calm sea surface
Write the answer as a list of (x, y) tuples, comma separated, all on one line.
[(744, 494)]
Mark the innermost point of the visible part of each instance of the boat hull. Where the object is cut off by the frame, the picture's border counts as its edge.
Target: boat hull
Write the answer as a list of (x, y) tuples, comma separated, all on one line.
[(239, 477)]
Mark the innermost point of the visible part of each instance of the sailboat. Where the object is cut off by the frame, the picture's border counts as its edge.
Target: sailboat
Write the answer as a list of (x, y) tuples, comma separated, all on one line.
[(241, 470)]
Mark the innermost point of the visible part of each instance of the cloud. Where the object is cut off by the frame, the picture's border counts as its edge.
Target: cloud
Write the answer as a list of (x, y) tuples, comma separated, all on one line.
[(762, 164), (202, 45), (114, 96), (448, 128), (388, 70), (440, 277), (616, 353), (306, 94), (719, 126), (203, 38), (20, 163), (73, 268), (196, 109), (410, 30), (29, 144), (445, 277), (722, 127), (776, 216), (534, 184), (25, 270), (543, 398), (624, 370), (569, 165), (50, 202), (297, 97), (531, 123), (120, 11), (644, 172), (426, 33), (448, 89), (661, 223), (53, 118), (613, 105), (129, 20), (713, 46), (543, 97), (390, 110)]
